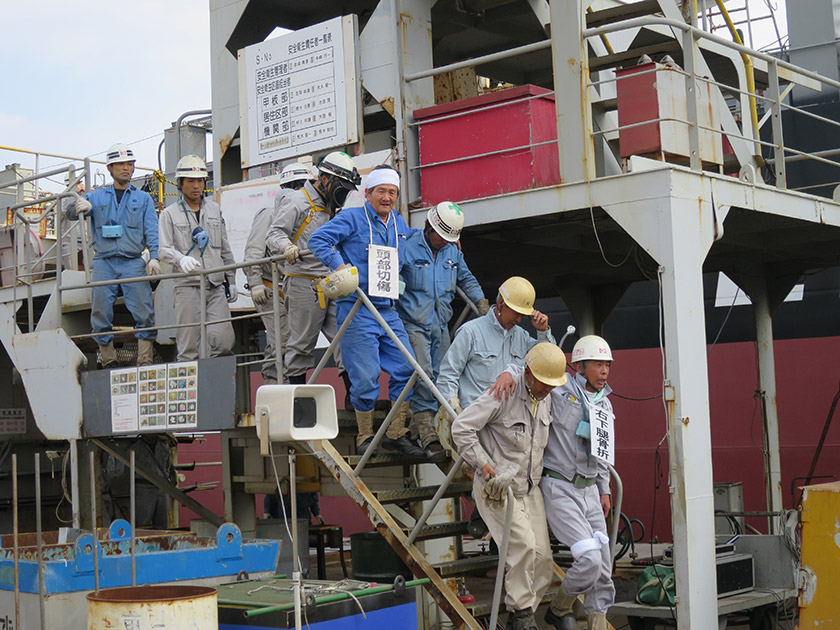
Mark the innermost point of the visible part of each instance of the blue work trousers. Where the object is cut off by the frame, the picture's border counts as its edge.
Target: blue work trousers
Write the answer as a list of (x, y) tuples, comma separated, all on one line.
[(429, 348), (138, 297), (366, 350)]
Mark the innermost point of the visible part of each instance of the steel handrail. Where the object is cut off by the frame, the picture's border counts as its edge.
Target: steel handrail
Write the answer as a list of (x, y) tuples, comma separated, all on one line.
[(500, 570)]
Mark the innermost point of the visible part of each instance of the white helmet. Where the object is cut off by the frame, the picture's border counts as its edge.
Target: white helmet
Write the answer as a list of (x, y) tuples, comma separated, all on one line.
[(295, 173), (591, 347), (341, 283), (191, 166), (341, 165), (447, 219), (119, 153)]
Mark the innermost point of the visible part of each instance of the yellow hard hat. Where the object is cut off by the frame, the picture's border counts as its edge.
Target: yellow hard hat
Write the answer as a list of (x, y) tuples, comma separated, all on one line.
[(340, 284), (518, 294), (547, 363)]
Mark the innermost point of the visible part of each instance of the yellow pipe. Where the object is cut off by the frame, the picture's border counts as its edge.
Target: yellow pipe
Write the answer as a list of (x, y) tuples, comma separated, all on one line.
[(603, 37), (747, 65)]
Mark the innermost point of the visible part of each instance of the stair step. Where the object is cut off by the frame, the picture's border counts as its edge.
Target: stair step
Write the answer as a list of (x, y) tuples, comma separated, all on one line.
[(442, 530), (384, 460), (606, 104), (467, 565), (630, 57), (482, 608), (422, 493), (620, 13)]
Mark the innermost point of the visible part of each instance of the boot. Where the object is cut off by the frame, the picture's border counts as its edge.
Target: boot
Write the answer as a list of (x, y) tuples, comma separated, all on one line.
[(396, 439), (521, 620), (364, 422), (425, 423), (347, 404), (597, 621), (560, 612), (145, 352), (299, 379), (435, 453), (107, 356)]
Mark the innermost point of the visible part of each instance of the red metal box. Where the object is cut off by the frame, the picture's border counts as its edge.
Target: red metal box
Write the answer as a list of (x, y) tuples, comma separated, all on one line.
[(504, 124)]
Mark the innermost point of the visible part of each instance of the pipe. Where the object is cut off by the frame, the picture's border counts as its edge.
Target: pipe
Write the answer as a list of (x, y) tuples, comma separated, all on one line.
[(747, 65), (194, 112), (500, 572)]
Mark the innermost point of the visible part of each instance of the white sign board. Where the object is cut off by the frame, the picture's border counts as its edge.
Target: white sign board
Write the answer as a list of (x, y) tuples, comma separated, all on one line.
[(12, 421), (298, 93), (602, 442)]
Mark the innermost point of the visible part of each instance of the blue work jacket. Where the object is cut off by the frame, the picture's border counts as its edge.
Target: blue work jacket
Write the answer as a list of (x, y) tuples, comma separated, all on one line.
[(345, 240), (430, 283), (135, 213)]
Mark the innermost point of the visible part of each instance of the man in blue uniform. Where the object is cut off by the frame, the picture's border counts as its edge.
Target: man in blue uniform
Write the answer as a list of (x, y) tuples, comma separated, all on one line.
[(432, 268), (374, 232), (124, 223)]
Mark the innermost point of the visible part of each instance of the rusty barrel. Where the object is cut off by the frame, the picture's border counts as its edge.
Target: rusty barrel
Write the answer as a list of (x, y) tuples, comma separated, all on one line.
[(147, 607)]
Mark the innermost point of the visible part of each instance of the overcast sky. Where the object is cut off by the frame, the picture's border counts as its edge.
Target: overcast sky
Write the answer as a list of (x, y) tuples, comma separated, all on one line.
[(80, 76)]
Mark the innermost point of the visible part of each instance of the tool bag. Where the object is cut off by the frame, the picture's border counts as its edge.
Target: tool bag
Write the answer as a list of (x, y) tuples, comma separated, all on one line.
[(657, 586)]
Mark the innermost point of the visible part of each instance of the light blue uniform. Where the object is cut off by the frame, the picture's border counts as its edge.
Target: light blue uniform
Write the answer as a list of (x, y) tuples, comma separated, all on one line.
[(426, 306), (479, 353), (366, 348), (117, 258)]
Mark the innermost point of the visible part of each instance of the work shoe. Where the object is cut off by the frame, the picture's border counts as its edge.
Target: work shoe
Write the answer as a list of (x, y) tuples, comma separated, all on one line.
[(521, 620), (145, 352), (364, 423), (404, 446), (107, 356), (560, 612), (597, 621), (435, 453), (362, 448)]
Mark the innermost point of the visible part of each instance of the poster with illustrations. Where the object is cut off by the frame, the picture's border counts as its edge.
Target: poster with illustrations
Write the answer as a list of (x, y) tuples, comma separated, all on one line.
[(152, 384), (181, 395), (124, 410)]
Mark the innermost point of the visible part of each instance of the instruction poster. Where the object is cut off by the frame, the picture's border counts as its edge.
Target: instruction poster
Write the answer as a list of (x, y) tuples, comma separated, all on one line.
[(155, 398), (124, 410)]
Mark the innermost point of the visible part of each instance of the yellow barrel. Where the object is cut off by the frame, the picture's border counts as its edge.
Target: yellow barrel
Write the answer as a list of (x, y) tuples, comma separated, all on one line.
[(148, 607)]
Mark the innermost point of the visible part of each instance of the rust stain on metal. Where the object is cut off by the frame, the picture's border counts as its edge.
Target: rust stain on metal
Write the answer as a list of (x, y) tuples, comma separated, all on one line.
[(388, 105), (224, 143)]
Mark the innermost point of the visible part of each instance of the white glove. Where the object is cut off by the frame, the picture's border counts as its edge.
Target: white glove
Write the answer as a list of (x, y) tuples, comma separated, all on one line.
[(292, 253), (188, 264), (495, 488), (83, 206), (234, 293), (483, 305), (153, 267), (259, 294), (455, 404)]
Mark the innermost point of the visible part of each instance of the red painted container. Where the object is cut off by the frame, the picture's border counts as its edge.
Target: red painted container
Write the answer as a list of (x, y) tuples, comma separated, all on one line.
[(516, 119)]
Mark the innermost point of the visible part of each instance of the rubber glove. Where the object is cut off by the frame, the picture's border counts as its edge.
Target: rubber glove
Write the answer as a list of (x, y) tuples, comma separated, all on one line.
[(259, 294), (153, 267), (483, 305), (292, 253), (188, 264)]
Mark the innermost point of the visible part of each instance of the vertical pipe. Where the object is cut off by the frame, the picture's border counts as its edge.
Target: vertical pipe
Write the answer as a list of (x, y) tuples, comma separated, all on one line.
[(295, 560), (94, 523), (689, 52), (74, 482), (59, 256), (202, 298), (133, 524), (338, 335), (776, 120), (500, 573), (83, 226), (15, 529), (275, 321), (402, 158), (41, 594)]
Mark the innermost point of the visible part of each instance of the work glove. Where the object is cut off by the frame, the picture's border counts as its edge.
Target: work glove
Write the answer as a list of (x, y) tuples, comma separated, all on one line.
[(188, 264), (320, 519), (483, 305), (455, 404), (153, 267), (83, 206), (234, 293), (292, 254), (495, 488), (259, 294)]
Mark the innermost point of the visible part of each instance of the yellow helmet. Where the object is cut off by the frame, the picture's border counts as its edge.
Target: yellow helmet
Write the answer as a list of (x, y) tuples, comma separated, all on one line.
[(340, 284), (518, 294), (547, 363)]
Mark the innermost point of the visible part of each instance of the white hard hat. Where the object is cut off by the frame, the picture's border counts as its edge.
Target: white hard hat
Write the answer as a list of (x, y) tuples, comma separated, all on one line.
[(119, 153), (547, 363), (191, 166), (341, 165), (295, 173), (447, 219), (518, 294), (591, 347), (341, 283)]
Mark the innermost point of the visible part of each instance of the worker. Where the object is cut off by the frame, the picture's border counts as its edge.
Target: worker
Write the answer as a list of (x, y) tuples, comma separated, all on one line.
[(431, 270), (124, 223), (297, 215), (193, 236), (379, 231), (504, 441), (259, 277), (576, 484), (484, 346), (71, 240)]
